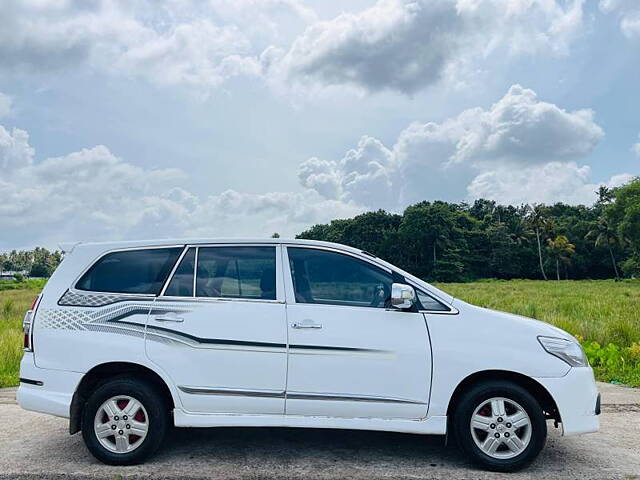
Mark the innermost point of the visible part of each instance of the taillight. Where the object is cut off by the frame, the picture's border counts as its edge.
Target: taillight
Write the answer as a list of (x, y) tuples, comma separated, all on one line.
[(26, 329), (27, 325)]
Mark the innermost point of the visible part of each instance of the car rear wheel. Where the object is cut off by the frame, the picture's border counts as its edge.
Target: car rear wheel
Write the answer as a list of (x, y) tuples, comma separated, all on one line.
[(124, 421), (500, 426)]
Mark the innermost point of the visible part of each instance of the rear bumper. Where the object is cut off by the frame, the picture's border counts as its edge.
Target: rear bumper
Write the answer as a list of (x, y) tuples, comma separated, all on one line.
[(46, 391), (578, 400)]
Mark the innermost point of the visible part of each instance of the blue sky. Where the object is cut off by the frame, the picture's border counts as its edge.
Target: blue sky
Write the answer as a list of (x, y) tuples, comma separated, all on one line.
[(234, 118)]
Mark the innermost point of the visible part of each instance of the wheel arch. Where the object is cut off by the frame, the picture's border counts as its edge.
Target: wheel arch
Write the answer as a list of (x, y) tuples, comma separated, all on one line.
[(104, 371), (539, 392)]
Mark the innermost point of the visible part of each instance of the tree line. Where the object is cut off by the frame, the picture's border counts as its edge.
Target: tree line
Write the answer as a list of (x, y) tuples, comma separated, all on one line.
[(441, 241), (38, 262), (457, 242)]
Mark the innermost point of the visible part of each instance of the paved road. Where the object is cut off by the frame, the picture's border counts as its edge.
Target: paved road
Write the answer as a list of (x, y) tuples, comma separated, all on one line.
[(38, 446)]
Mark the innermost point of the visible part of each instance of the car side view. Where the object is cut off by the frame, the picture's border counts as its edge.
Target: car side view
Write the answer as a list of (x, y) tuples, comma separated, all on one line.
[(129, 338)]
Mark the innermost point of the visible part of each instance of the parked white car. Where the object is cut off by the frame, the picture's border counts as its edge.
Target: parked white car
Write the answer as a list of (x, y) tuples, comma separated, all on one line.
[(129, 337)]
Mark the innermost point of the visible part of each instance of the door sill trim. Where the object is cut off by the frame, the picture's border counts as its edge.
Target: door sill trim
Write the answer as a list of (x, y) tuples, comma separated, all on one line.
[(435, 425)]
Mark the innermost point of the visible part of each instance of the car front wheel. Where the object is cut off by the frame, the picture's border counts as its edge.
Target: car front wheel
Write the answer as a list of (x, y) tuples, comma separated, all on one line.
[(500, 426), (124, 421)]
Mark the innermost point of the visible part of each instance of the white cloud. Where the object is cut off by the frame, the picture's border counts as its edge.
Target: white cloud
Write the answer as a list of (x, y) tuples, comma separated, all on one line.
[(406, 45), (15, 151), (628, 12), (439, 160), (520, 149), (168, 42), (549, 183), (5, 105), (93, 194)]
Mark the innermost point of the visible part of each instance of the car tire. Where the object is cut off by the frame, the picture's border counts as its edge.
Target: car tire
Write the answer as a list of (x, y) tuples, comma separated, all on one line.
[(508, 430), (124, 421)]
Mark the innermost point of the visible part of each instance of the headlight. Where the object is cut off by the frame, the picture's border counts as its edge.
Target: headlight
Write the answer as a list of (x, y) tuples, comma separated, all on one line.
[(567, 350)]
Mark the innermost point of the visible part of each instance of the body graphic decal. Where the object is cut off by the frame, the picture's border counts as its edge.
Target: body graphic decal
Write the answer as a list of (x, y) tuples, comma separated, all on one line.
[(96, 299), (111, 313)]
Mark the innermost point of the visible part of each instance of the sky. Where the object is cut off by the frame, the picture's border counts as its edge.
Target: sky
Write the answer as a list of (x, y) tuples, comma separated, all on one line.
[(128, 119)]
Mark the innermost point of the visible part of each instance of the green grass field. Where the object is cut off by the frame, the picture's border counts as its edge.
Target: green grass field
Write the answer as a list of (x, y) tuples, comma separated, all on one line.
[(14, 302), (604, 315)]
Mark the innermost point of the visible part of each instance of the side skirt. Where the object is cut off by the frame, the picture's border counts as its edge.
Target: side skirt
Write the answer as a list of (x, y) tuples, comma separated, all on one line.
[(429, 426)]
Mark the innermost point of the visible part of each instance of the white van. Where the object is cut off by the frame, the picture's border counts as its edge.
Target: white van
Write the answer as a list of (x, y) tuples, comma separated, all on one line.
[(128, 338)]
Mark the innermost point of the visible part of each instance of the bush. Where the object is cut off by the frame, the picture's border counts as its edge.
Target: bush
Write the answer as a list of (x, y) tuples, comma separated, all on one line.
[(613, 363), (631, 267), (18, 277)]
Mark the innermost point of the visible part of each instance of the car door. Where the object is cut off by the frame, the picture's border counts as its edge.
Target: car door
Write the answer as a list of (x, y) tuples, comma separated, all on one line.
[(350, 355), (219, 329)]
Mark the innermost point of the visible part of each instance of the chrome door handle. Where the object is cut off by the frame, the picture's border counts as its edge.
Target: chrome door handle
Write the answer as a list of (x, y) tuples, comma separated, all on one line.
[(169, 318), (307, 325)]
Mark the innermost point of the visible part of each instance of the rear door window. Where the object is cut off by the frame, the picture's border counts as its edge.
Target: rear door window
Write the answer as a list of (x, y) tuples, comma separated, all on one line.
[(141, 271), (236, 272)]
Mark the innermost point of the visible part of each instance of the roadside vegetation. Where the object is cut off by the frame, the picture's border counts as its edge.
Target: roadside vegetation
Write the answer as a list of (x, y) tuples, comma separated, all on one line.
[(602, 314), (15, 300)]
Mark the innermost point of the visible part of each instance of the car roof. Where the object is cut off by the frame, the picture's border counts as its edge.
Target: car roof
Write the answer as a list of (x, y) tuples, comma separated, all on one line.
[(110, 245)]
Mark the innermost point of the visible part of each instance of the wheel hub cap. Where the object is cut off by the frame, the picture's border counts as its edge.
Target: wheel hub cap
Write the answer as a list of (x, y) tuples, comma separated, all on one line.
[(121, 424), (501, 428)]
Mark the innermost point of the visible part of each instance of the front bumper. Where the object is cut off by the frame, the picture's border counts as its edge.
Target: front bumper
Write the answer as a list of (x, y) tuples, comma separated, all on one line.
[(577, 399), (45, 390)]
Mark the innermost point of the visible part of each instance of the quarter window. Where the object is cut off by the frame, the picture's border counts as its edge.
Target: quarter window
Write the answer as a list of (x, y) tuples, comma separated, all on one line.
[(236, 272), (130, 271), (325, 277), (429, 303)]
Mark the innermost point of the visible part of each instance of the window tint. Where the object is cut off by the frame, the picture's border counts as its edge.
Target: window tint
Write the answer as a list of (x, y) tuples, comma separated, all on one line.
[(131, 271), (181, 284), (332, 278), (237, 272), (429, 303)]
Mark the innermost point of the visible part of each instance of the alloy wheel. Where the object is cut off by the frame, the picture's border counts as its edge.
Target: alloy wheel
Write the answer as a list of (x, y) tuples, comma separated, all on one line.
[(501, 428)]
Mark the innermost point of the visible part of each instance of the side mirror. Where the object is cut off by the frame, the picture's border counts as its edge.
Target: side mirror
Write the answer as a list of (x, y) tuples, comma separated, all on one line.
[(403, 296)]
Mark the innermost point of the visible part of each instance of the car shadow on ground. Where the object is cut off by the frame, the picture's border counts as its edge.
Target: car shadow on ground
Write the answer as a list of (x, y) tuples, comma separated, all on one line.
[(318, 446), (336, 453)]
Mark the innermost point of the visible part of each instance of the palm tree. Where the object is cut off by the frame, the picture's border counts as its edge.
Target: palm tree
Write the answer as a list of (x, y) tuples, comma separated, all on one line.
[(561, 249), (605, 235), (605, 194), (519, 231), (539, 223)]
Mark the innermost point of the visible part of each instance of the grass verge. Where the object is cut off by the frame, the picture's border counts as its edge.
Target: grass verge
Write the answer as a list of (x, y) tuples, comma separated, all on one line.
[(603, 314)]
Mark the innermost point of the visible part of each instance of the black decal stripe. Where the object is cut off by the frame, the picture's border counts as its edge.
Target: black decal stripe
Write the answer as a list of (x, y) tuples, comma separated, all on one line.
[(326, 347), (219, 341), (216, 341)]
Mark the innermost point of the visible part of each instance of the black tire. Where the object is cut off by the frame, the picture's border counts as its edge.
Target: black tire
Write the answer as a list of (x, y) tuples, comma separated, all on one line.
[(156, 409), (482, 392)]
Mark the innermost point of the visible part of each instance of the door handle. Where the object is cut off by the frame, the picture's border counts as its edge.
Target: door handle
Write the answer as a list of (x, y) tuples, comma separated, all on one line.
[(307, 325), (169, 318)]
